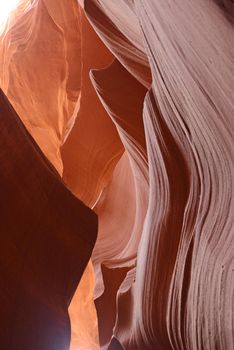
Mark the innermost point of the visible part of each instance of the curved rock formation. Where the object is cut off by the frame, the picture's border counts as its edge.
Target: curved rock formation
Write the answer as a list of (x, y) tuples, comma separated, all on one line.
[(183, 112), (132, 101), (47, 236)]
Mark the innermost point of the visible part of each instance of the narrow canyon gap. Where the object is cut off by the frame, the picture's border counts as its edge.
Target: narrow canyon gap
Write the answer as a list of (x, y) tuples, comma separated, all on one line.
[(117, 175)]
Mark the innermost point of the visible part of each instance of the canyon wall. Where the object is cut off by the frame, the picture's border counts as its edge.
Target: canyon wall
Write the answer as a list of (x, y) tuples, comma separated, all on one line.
[(132, 101)]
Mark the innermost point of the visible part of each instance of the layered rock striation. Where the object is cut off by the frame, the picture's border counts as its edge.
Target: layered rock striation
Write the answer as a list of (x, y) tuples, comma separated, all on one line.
[(133, 103)]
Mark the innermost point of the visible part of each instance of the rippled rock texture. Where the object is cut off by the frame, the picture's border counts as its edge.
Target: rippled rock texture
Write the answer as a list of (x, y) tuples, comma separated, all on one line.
[(132, 101)]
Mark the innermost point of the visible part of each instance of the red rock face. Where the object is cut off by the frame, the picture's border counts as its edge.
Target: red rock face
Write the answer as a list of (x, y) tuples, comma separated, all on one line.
[(132, 102), (47, 236)]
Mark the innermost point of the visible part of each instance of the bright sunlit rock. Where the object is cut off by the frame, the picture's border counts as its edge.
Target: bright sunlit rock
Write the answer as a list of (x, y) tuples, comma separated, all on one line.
[(6, 6)]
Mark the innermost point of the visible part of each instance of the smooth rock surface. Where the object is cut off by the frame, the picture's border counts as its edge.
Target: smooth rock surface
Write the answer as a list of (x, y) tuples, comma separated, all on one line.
[(47, 237), (133, 103)]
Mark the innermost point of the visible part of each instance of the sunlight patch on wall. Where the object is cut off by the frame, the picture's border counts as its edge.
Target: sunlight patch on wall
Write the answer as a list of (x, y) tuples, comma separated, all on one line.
[(6, 7)]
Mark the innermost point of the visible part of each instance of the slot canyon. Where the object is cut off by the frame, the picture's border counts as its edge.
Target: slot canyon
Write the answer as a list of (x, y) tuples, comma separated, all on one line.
[(117, 175)]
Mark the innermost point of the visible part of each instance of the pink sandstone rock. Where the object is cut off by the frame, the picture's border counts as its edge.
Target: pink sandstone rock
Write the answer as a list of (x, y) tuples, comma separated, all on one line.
[(133, 102)]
